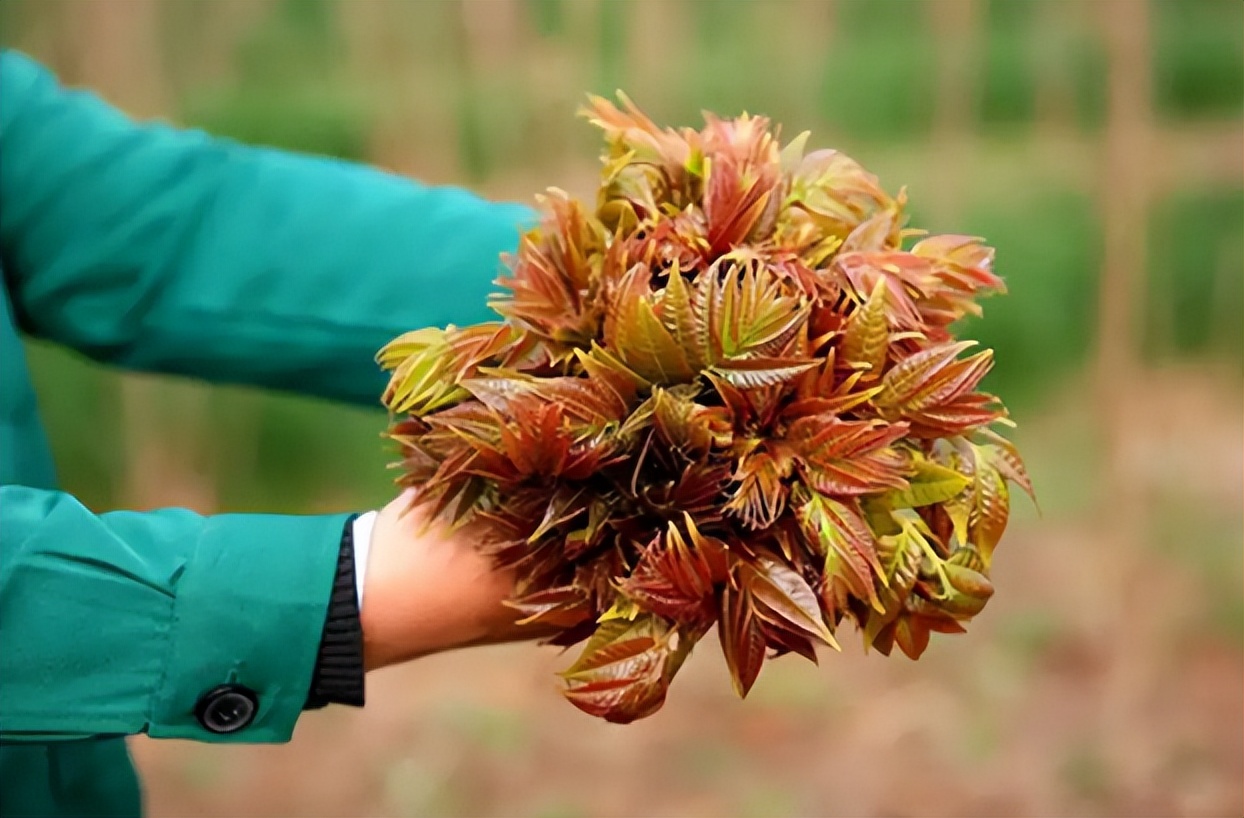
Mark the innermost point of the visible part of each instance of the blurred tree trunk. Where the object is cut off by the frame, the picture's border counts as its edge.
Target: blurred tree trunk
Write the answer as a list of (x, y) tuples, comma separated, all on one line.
[(164, 427), (551, 78), (118, 52), (199, 41), (396, 55), (491, 34), (811, 28), (957, 26), (659, 34), (1053, 37), (1124, 200), (37, 29), (827, 11), (1124, 192)]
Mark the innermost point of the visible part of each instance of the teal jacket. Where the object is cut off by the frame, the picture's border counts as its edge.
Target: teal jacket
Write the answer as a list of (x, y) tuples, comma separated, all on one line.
[(164, 250)]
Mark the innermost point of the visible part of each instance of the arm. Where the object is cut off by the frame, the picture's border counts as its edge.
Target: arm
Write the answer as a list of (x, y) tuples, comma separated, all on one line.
[(123, 623), (167, 250), (119, 623)]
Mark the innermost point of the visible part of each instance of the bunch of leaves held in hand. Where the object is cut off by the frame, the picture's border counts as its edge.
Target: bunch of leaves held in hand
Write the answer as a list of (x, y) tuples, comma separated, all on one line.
[(724, 395)]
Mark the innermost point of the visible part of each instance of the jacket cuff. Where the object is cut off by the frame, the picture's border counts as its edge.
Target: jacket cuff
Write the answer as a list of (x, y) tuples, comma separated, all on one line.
[(339, 672), (247, 621)]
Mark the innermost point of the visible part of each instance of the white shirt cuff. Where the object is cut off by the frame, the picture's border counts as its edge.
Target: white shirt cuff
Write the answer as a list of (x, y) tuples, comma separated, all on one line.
[(361, 530)]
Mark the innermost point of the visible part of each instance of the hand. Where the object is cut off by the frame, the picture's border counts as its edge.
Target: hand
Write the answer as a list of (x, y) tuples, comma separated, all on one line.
[(430, 590)]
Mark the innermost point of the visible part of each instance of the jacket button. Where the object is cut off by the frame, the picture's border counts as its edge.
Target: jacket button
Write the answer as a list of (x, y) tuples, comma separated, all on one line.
[(227, 708)]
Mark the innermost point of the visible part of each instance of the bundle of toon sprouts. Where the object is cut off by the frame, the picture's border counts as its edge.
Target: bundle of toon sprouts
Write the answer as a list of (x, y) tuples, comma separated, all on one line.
[(729, 394)]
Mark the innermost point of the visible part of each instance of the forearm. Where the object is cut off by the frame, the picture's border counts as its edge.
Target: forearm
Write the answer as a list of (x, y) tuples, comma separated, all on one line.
[(430, 588), (167, 250), (125, 622), (167, 622)]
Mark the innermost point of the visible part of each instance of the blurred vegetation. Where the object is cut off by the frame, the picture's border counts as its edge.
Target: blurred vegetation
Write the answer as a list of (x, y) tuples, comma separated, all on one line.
[(1105, 647), (297, 74)]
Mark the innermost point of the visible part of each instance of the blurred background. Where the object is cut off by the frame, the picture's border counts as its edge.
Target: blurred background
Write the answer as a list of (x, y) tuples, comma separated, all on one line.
[(1097, 144)]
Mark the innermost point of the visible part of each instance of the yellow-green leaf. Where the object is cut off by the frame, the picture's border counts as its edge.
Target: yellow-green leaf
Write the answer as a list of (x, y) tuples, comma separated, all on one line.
[(931, 483), (621, 609), (867, 339)]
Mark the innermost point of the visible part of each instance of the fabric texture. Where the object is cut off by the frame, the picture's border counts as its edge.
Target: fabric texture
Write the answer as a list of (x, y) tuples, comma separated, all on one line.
[(338, 676)]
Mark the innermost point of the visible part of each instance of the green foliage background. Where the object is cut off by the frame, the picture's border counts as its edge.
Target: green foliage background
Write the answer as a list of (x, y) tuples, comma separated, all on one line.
[(1117, 630), (863, 81)]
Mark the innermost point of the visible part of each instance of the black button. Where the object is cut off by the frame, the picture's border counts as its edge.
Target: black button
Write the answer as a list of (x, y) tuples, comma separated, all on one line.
[(227, 709)]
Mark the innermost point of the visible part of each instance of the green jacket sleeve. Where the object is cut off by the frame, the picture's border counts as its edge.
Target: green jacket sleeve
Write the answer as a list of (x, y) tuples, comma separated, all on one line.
[(167, 250), (117, 623)]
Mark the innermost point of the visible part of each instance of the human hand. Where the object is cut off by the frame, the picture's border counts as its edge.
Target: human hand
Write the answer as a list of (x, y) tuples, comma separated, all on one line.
[(430, 590)]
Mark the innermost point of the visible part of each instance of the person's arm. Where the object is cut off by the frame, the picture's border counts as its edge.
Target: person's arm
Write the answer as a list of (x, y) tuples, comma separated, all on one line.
[(174, 624), (124, 622), (167, 250)]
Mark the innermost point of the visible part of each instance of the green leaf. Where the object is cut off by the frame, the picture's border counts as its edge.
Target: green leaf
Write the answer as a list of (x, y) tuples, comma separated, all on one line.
[(407, 346), (879, 516), (841, 535), (792, 154), (968, 581), (681, 318), (647, 347), (991, 508), (900, 555), (429, 377), (622, 609), (603, 366), (1007, 460), (867, 339), (755, 317), (930, 484), (636, 335)]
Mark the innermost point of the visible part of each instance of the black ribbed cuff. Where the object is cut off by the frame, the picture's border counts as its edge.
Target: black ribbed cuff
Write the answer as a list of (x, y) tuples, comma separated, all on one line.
[(339, 672)]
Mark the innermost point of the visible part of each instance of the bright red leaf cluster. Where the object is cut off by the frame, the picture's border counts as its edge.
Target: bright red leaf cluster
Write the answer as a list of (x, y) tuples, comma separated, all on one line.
[(725, 395)]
